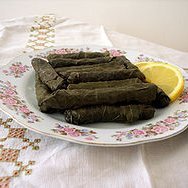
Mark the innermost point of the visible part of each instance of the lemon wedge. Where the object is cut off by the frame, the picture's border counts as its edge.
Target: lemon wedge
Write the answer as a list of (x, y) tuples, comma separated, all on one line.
[(165, 76)]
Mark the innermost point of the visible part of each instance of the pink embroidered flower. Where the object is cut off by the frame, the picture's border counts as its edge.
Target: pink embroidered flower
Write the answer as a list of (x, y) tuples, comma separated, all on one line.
[(9, 101), (24, 109), (160, 129), (138, 132), (9, 92), (170, 120)]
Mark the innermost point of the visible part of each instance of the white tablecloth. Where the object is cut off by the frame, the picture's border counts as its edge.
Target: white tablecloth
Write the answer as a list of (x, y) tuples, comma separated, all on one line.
[(32, 160)]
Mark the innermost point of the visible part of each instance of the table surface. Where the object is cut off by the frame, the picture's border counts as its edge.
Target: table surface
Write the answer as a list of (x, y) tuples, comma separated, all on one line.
[(28, 159)]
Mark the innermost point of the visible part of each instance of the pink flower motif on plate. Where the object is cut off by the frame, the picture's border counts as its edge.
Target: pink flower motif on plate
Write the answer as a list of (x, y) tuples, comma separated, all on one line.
[(114, 52), (32, 117), (138, 132), (170, 120), (24, 109), (65, 51), (184, 97), (16, 70), (72, 132), (151, 130), (160, 129), (75, 132), (9, 91), (10, 98), (9, 101), (69, 130)]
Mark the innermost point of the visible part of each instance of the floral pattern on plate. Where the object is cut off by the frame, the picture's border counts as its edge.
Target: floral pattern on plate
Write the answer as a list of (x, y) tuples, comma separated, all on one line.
[(67, 50), (150, 130), (16, 69), (184, 97), (142, 57), (113, 52), (74, 132), (59, 51), (10, 98)]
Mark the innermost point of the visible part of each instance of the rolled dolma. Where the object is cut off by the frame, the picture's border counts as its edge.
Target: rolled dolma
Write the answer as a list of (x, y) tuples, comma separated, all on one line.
[(123, 60), (67, 62), (162, 99), (88, 68), (110, 67), (105, 84), (129, 113), (117, 74), (78, 55), (139, 93), (41, 91), (47, 74)]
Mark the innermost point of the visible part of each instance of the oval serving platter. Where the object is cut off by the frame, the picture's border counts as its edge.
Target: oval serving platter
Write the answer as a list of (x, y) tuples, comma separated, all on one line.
[(17, 98)]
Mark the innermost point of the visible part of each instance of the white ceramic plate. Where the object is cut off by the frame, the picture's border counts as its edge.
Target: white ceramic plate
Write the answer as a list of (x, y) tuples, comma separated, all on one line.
[(17, 98)]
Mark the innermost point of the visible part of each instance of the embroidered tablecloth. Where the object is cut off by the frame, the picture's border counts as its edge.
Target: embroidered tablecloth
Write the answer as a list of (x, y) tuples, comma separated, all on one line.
[(28, 159)]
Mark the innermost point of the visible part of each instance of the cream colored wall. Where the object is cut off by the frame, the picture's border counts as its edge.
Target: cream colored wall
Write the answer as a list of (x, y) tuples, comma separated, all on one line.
[(161, 21)]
